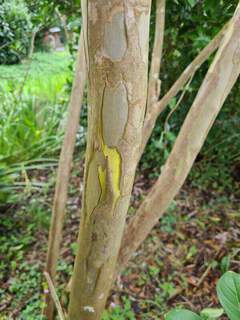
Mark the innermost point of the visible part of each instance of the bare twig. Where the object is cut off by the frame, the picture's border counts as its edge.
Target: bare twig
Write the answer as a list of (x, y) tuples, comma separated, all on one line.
[(161, 105), (206, 272), (54, 296), (30, 55), (178, 103), (5, 45), (64, 24)]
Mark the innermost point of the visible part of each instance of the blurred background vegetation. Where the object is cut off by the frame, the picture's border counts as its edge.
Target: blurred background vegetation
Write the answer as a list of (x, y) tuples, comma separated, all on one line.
[(34, 94)]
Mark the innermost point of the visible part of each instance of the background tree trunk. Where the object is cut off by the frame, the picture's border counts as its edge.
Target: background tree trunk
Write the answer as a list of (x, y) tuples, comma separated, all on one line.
[(116, 39), (63, 174), (216, 86)]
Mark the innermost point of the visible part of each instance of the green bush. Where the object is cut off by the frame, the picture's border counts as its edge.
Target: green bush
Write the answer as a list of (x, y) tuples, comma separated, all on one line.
[(15, 30), (30, 136)]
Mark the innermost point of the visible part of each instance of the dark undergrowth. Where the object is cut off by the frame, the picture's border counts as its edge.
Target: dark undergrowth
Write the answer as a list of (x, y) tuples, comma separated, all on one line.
[(194, 243)]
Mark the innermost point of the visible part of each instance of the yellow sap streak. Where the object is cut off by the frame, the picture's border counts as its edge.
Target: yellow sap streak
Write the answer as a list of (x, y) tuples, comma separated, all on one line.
[(114, 163)]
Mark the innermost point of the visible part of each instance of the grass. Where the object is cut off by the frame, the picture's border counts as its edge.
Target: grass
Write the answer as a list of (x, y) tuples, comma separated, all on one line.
[(48, 73)]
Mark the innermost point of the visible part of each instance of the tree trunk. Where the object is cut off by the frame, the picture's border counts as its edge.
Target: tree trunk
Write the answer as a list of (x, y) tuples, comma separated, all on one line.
[(116, 39), (63, 174), (217, 84)]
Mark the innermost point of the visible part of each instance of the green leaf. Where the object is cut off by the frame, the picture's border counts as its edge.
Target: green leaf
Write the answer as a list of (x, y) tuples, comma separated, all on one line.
[(212, 313), (192, 2), (182, 314), (228, 290)]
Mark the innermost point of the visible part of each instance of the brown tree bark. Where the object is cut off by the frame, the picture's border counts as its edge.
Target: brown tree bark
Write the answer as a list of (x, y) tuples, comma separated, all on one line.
[(63, 174), (216, 86), (116, 39)]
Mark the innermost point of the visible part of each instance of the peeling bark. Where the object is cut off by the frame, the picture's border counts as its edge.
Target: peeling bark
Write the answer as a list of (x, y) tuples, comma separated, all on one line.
[(63, 174), (117, 98), (216, 86)]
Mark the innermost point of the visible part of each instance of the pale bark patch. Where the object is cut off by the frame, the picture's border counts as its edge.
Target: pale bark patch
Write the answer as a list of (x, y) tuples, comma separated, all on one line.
[(114, 122), (89, 309), (93, 13), (143, 29), (115, 42)]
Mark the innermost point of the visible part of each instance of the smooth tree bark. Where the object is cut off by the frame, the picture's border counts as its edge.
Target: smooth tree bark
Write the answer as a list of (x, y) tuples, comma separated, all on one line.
[(116, 39), (63, 173), (154, 84), (215, 88)]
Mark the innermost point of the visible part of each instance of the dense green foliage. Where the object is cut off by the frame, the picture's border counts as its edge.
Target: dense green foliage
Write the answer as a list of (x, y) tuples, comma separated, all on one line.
[(190, 25), (15, 31)]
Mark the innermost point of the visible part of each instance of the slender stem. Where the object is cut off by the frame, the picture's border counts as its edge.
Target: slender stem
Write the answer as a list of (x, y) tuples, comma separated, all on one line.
[(54, 296), (161, 105), (63, 173), (154, 82)]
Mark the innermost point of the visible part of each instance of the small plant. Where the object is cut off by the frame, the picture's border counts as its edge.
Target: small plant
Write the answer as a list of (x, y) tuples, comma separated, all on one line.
[(228, 290), (118, 313)]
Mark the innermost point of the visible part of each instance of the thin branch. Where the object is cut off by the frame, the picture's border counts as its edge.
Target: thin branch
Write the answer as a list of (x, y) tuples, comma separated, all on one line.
[(5, 45), (29, 63), (64, 170), (178, 103), (64, 24), (154, 82), (161, 105), (54, 296)]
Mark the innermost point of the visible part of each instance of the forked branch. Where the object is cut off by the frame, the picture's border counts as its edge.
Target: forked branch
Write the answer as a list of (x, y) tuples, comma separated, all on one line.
[(215, 88), (158, 107)]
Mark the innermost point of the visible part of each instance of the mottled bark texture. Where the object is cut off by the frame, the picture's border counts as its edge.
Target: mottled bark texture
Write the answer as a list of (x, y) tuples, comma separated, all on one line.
[(217, 84), (64, 169), (116, 39)]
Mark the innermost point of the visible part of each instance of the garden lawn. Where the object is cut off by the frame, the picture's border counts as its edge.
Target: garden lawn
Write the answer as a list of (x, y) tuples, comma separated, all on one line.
[(44, 76)]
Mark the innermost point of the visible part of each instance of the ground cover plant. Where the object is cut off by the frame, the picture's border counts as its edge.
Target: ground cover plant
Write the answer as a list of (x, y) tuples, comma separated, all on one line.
[(33, 107)]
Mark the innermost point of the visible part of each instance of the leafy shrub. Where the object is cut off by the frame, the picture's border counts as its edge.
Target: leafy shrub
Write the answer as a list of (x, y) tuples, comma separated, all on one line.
[(228, 290), (15, 30), (30, 135)]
